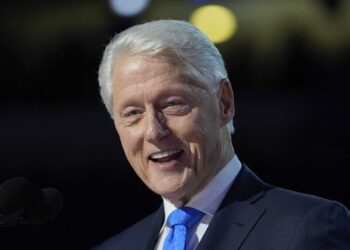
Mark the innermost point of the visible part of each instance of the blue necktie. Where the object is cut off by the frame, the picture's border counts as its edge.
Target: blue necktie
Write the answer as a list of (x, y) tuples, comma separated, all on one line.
[(180, 222)]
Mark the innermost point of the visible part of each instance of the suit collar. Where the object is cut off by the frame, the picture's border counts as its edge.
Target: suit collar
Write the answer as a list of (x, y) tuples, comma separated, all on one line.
[(247, 187), (237, 215), (148, 232)]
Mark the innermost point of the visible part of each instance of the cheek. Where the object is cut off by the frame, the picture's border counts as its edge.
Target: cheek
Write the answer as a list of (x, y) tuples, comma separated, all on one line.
[(185, 129), (133, 153), (204, 133), (193, 132), (206, 123), (130, 141)]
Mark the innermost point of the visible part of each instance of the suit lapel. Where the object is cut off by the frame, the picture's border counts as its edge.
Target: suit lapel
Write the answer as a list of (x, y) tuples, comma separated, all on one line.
[(237, 215), (147, 239)]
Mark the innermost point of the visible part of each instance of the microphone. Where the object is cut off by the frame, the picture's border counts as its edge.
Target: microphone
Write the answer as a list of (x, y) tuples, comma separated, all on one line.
[(22, 203)]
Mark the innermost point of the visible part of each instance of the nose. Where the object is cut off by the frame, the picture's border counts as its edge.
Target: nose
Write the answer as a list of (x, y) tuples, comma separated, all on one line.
[(155, 128)]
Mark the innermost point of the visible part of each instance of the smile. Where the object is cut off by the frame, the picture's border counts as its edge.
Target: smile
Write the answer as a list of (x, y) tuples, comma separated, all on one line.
[(165, 156)]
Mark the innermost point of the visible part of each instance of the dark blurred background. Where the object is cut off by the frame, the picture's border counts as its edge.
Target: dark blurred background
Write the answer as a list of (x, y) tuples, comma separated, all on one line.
[(289, 65)]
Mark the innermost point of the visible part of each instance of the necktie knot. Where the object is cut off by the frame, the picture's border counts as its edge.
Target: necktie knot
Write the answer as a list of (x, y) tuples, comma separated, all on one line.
[(186, 216), (180, 222)]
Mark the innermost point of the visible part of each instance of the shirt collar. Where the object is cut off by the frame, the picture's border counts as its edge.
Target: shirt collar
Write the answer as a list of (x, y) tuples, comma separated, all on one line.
[(209, 199)]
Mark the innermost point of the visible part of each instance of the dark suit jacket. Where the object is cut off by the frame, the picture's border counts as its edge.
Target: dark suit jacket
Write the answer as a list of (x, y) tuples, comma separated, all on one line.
[(255, 215)]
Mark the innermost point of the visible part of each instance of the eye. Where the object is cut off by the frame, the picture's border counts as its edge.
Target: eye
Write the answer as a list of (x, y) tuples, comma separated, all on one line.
[(172, 103), (131, 113), (175, 107)]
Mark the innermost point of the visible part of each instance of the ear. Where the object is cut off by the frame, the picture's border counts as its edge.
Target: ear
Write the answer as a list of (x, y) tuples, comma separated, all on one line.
[(226, 101)]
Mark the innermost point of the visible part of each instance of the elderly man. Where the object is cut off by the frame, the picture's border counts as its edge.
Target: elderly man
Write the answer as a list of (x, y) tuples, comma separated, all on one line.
[(166, 88)]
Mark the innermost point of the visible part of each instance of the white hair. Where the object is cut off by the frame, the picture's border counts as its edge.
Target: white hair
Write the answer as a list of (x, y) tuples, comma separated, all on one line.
[(197, 54)]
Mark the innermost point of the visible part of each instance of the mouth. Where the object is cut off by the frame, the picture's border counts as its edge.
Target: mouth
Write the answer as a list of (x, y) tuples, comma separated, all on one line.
[(166, 155)]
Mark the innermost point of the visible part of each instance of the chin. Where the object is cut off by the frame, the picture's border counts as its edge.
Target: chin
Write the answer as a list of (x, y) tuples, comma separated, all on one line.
[(175, 195), (168, 193)]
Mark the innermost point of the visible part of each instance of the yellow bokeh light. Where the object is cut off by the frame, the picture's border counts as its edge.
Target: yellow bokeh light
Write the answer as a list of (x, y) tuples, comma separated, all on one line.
[(217, 22)]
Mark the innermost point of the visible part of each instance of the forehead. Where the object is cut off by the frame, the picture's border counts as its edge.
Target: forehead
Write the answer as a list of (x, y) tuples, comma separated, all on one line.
[(141, 66), (141, 71)]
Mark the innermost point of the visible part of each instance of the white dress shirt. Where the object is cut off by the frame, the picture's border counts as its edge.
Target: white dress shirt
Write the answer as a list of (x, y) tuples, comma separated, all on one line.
[(207, 201)]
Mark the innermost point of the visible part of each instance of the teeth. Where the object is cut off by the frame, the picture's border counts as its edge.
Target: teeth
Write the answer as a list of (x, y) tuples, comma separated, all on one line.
[(163, 154)]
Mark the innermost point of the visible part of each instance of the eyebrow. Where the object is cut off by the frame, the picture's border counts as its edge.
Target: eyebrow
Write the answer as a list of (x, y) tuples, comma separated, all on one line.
[(133, 99), (185, 78)]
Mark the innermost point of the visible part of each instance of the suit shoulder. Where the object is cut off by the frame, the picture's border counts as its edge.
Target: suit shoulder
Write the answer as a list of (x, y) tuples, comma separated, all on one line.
[(301, 221), (280, 198), (315, 222), (128, 238)]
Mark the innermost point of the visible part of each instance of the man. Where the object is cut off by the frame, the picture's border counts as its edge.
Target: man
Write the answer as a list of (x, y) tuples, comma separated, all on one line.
[(166, 88)]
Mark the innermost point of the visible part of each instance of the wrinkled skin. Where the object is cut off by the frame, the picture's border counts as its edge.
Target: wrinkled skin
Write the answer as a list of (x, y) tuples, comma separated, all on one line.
[(172, 128)]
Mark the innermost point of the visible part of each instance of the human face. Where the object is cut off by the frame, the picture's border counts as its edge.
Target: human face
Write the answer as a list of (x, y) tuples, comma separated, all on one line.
[(171, 127)]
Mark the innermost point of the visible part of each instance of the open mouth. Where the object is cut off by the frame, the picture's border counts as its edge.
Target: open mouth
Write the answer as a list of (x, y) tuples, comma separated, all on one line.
[(165, 156)]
